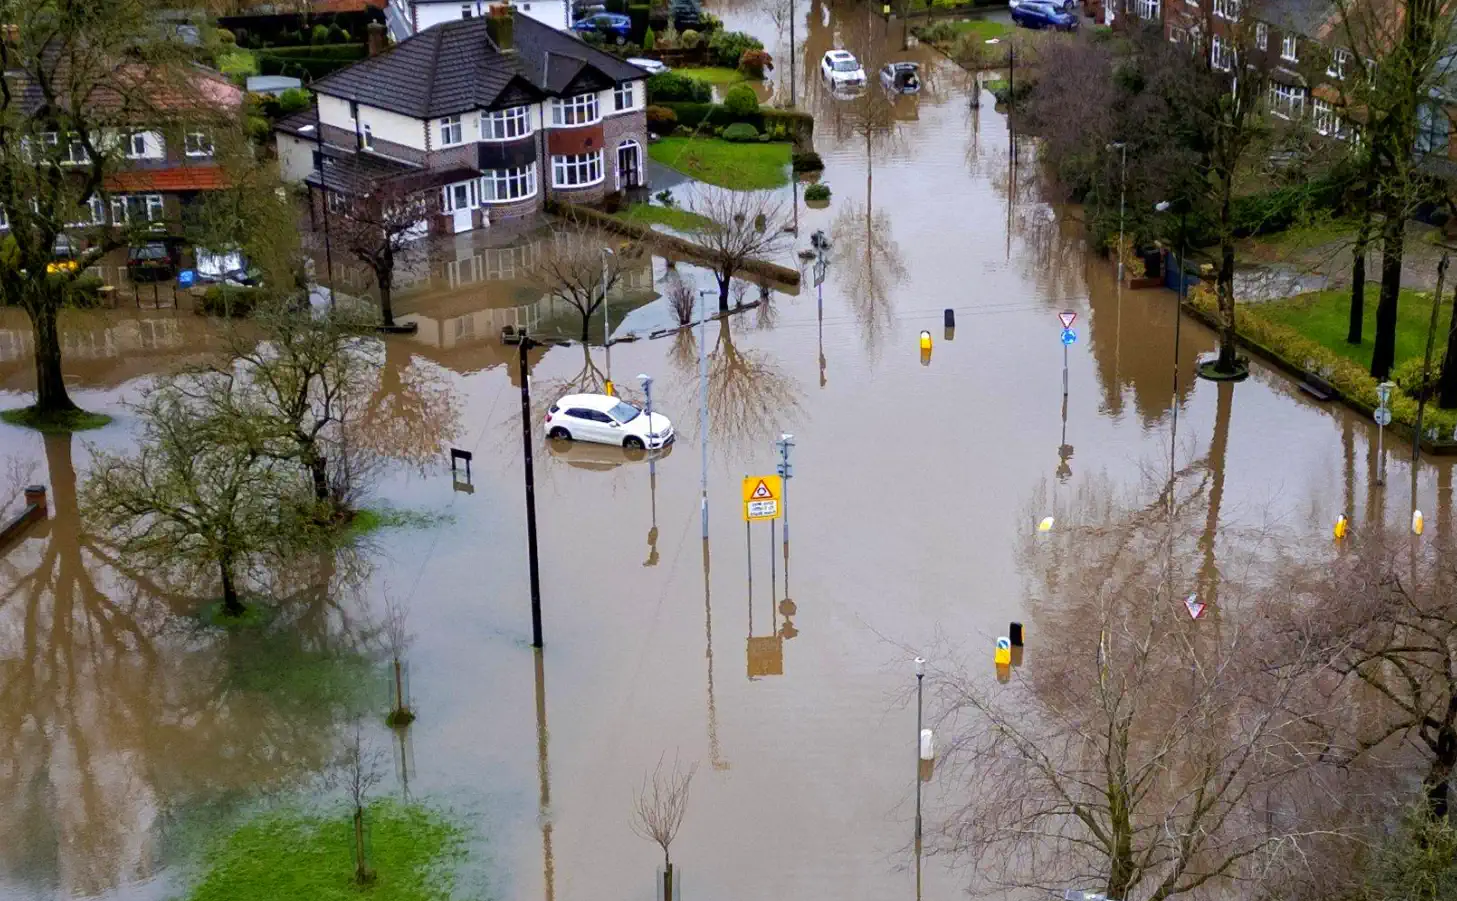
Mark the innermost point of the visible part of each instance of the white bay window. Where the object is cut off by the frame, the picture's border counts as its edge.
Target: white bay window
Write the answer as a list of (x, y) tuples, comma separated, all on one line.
[(577, 171), (499, 185), (506, 124)]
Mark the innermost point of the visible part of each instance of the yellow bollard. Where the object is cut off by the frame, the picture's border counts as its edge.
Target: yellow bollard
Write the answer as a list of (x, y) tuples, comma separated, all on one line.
[(609, 389), (1045, 525), (926, 341), (1340, 528), (1003, 654), (1417, 522)]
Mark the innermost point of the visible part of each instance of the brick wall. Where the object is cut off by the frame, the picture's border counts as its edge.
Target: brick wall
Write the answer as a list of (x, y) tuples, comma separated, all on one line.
[(631, 126), (461, 156), (516, 208)]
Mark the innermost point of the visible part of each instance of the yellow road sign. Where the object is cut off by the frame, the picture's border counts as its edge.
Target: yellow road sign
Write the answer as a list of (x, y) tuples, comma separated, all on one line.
[(763, 497)]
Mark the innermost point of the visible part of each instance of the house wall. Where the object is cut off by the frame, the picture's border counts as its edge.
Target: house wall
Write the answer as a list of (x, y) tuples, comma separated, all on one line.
[(401, 131), (335, 111), (618, 130), (548, 12), (295, 157)]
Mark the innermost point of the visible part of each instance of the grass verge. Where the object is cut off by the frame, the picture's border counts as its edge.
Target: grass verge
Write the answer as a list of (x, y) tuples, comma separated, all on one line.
[(740, 167), (302, 856), (671, 216), (1324, 316), (55, 423), (714, 74)]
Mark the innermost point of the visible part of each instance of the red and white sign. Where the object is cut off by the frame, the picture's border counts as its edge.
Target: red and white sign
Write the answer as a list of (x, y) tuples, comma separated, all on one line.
[(1196, 607), (1068, 317)]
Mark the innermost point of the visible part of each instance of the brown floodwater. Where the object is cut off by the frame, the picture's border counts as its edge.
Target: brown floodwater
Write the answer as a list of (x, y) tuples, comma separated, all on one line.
[(125, 737)]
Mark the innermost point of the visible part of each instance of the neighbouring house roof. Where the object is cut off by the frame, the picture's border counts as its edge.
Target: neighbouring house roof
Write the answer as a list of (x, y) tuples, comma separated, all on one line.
[(455, 67), (173, 180), (1311, 18), (357, 174), (137, 90)]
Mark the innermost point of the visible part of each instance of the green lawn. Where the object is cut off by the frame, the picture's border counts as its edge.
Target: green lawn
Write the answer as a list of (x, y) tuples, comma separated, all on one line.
[(1323, 317), (714, 74), (238, 62), (983, 28), (671, 216), (309, 858), (741, 167)]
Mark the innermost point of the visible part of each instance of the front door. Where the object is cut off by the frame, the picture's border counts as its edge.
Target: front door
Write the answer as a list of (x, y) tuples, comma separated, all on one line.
[(629, 168), (460, 221)]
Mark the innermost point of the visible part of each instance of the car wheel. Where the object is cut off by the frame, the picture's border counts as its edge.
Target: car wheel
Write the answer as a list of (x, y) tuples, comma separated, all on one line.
[(632, 442), (559, 434)]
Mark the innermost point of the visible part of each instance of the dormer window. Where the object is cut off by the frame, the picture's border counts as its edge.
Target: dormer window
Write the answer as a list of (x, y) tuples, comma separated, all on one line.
[(450, 131), (579, 110)]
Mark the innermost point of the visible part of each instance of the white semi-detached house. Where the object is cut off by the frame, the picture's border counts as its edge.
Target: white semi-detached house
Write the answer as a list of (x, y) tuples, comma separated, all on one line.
[(409, 17), (497, 113)]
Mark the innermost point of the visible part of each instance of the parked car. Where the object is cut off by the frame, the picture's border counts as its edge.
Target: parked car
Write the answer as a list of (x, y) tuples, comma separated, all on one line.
[(612, 26), (841, 69), (1067, 5), (901, 78), (650, 66), (230, 268), (1038, 14), (685, 14), (152, 261), (604, 419)]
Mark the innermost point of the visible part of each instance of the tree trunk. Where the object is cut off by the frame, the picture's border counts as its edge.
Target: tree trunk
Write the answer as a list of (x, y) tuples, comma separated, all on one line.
[(1358, 291), (318, 471), (1393, 234), (1439, 775), (587, 326), (50, 387), (1447, 386), (232, 606), (399, 687), (724, 280), (386, 288), (361, 866), (1227, 346), (667, 879)]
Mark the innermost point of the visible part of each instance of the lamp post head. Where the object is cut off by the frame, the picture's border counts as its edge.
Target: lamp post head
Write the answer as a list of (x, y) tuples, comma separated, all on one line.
[(1116, 145), (1162, 206), (920, 667), (647, 380)]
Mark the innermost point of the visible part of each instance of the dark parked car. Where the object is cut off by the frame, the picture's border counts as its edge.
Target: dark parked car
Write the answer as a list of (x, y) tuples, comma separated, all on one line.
[(1044, 15), (901, 78), (152, 261), (614, 26)]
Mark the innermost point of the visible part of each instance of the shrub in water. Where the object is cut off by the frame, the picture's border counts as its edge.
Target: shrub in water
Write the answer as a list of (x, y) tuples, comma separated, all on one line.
[(755, 62), (741, 101), (817, 192), (741, 131), (728, 47), (807, 161)]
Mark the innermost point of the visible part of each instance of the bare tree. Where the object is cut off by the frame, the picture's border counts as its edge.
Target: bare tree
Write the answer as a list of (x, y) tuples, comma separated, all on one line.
[(377, 227), (362, 771), (579, 266), (79, 76), (397, 637), (737, 227), (1147, 753), (658, 813), (683, 299)]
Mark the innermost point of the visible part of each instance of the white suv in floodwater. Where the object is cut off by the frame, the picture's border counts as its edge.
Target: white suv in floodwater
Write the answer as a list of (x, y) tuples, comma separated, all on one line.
[(841, 69)]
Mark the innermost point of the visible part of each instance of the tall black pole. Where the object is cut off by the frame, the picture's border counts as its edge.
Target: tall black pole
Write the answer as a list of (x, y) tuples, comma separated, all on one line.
[(530, 496), (324, 192)]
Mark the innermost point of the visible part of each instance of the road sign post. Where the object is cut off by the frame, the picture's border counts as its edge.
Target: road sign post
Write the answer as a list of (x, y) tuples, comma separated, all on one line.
[(1067, 318), (763, 497), (1383, 419)]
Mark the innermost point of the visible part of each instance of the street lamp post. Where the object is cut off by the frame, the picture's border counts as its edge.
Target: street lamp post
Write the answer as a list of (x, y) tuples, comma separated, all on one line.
[(1383, 416), (606, 321), (703, 396), (920, 681), (531, 550), (1163, 206), (1122, 195)]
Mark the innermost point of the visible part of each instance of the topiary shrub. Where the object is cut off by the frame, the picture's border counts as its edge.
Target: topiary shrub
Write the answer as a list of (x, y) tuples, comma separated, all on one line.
[(741, 131), (728, 47), (661, 120), (319, 34), (807, 161), (650, 39), (293, 100), (817, 192), (690, 39), (337, 35), (741, 101), (671, 87), (754, 63), (226, 37)]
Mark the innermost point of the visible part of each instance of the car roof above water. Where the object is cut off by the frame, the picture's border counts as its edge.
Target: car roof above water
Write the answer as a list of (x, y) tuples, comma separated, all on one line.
[(603, 402)]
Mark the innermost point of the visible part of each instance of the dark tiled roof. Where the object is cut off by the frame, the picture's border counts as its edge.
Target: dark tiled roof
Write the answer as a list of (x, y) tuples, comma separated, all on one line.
[(358, 173), (1310, 18), (454, 67)]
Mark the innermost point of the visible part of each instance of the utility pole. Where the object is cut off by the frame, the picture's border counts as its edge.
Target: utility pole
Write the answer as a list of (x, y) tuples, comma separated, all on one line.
[(703, 396), (324, 195), (1122, 147), (526, 447), (785, 444), (606, 320)]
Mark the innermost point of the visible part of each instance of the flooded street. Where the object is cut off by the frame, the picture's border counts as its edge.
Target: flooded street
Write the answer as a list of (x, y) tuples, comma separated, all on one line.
[(124, 738)]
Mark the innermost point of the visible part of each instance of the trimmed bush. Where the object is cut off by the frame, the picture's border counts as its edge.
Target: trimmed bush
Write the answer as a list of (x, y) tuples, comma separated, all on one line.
[(319, 34), (741, 101), (661, 120), (639, 12), (337, 35), (650, 39), (690, 39), (671, 87), (227, 37), (807, 161), (818, 191), (709, 22), (340, 52), (227, 300), (1408, 376), (755, 62), (741, 132), (292, 101), (728, 47)]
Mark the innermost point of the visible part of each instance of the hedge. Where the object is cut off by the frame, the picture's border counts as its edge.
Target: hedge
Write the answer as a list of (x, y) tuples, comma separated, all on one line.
[(799, 125), (227, 300), (346, 52)]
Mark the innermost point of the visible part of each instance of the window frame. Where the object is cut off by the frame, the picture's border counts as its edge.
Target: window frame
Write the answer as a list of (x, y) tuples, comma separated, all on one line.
[(497, 125), (1322, 111), (132, 138), (1227, 9), (467, 11), (202, 147), (569, 112), (1340, 58), (366, 137), (1290, 48), (522, 176), (1223, 51), (617, 92), (472, 196), (449, 125), (569, 164), (1287, 95), (1262, 36)]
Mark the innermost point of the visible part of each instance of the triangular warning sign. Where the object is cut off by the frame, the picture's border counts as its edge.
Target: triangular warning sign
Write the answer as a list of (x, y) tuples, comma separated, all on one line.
[(1068, 317), (761, 492)]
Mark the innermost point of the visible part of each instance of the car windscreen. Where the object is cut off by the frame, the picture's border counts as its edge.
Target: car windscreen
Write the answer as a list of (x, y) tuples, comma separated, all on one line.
[(846, 65), (149, 252), (624, 412)]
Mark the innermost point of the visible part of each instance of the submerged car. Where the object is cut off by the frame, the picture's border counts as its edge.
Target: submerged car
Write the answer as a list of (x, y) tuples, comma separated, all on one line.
[(901, 78), (842, 70), (604, 419), (228, 267), (601, 457), (1030, 14), (152, 261)]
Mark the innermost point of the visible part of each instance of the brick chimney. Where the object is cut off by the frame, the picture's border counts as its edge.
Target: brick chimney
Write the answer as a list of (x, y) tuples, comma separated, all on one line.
[(376, 39), (501, 26)]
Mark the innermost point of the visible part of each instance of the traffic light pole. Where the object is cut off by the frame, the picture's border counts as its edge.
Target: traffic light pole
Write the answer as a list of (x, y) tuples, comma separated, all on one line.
[(531, 551)]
